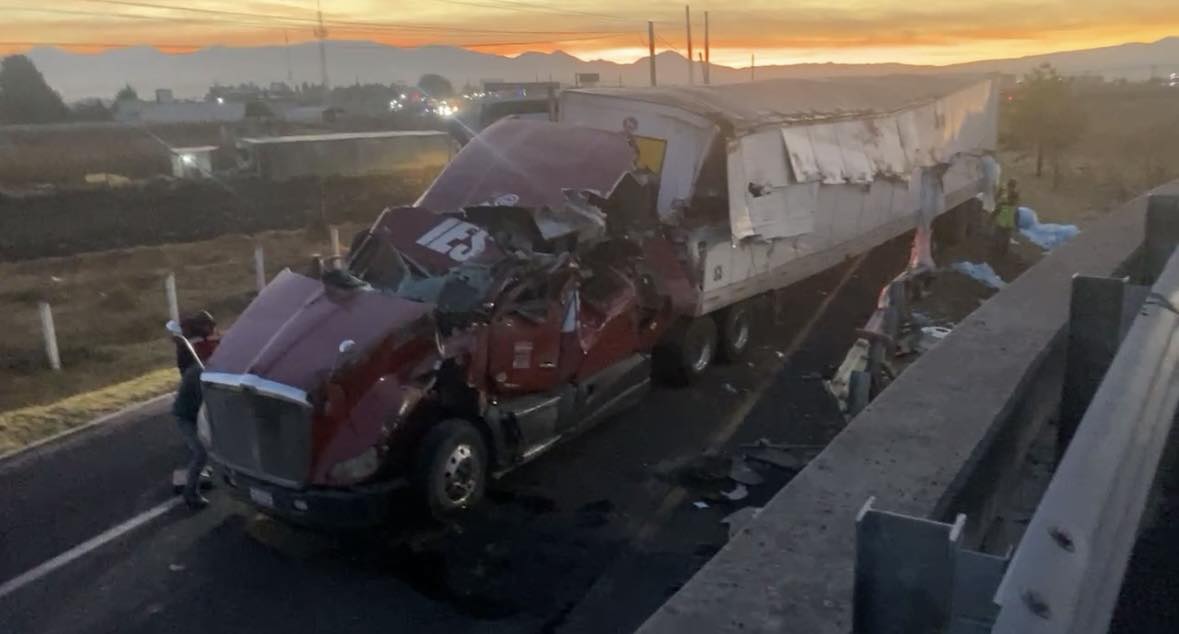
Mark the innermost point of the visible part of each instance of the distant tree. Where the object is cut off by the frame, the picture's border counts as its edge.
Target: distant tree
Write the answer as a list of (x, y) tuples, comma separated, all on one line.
[(1046, 117), (90, 110), (436, 86), (126, 93), (24, 95)]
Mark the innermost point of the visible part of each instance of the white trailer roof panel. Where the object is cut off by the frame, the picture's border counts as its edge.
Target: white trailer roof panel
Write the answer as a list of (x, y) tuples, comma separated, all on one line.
[(782, 101)]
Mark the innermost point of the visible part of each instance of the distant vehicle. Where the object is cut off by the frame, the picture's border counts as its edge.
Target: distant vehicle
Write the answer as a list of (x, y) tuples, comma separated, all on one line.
[(552, 268)]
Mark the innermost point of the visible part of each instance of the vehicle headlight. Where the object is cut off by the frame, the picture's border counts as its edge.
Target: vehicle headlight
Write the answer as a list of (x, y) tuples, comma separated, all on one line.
[(356, 469), (204, 429)]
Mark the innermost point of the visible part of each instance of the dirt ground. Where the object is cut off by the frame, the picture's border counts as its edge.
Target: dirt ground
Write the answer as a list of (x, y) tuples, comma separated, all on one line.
[(109, 310)]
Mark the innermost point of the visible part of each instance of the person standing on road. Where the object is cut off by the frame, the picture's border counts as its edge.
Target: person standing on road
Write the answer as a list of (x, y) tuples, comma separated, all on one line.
[(196, 338), (1005, 217), (186, 408)]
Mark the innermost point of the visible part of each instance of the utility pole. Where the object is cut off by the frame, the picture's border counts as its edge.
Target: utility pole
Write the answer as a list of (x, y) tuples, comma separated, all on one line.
[(688, 22), (651, 49), (286, 36), (707, 72), (321, 33), (752, 67)]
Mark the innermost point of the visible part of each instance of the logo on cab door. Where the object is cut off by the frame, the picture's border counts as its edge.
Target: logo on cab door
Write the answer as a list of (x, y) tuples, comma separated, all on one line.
[(456, 239)]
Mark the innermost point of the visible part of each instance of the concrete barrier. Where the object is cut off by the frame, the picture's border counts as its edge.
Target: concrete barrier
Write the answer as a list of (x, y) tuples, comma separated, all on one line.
[(941, 440)]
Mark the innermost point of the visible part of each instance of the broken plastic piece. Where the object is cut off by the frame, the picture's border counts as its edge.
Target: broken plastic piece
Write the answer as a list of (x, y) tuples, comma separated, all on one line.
[(742, 473), (737, 494)]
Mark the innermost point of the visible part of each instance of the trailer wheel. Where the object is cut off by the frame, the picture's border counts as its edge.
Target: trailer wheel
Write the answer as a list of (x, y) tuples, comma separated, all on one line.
[(450, 468), (737, 326), (686, 351)]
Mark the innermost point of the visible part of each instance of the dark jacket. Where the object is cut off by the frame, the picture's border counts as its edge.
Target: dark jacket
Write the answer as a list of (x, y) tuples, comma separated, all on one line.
[(188, 395)]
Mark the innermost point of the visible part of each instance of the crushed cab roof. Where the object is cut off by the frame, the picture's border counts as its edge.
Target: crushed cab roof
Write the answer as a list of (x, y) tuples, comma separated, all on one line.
[(784, 101), (530, 164)]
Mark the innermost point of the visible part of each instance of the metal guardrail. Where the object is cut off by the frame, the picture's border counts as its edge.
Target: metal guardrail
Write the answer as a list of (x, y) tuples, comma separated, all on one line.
[(1067, 571), (1116, 411)]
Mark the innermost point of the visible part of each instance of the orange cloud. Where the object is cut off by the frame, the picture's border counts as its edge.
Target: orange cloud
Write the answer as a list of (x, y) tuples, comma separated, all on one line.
[(778, 31)]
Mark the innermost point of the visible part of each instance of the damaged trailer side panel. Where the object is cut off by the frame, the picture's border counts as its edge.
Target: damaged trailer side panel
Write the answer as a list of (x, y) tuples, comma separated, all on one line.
[(817, 170)]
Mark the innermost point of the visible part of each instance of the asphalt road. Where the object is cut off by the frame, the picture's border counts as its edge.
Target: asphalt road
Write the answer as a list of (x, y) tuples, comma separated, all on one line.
[(591, 537)]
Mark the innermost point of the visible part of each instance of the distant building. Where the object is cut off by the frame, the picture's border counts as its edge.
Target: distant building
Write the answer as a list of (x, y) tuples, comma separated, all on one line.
[(135, 111), (164, 95)]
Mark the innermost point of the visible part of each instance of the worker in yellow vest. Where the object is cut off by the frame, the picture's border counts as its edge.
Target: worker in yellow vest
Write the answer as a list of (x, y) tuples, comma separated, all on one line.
[(1005, 217)]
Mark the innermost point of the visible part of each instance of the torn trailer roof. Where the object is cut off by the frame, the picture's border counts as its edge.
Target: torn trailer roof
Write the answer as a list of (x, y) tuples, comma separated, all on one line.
[(749, 105), (774, 148)]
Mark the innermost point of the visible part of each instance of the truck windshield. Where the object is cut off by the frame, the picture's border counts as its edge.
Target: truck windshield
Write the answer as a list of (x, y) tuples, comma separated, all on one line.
[(382, 266)]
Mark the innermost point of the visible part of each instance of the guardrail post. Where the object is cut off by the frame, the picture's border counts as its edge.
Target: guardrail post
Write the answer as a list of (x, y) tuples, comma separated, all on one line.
[(912, 575), (259, 267), (50, 335), (1101, 310), (335, 235), (1162, 231), (173, 302)]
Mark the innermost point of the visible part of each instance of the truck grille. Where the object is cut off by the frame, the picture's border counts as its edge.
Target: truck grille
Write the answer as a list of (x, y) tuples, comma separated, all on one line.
[(260, 435)]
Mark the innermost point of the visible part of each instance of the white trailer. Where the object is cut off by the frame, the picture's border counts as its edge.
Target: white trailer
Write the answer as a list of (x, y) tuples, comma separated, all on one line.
[(776, 180)]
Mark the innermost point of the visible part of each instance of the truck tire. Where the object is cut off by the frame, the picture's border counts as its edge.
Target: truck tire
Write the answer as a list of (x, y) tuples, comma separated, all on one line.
[(686, 351), (450, 468), (736, 326)]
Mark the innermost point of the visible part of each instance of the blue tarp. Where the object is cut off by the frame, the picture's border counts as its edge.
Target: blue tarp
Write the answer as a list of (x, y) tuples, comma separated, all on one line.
[(1047, 236), (981, 272)]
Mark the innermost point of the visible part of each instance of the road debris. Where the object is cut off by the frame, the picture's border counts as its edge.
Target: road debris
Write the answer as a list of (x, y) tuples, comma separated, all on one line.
[(176, 567), (1045, 235), (930, 337), (700, 504), (779, 458), (742, 473), (762, 443), (981, 272), (737, 494)]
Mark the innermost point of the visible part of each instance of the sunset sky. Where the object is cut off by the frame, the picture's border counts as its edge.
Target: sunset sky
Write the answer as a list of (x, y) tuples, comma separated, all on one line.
[(932, 32)]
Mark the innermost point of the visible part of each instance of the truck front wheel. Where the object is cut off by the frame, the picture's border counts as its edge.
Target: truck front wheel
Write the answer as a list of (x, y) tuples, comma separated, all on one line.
[(736, 325), (686, 351), (450, 471)]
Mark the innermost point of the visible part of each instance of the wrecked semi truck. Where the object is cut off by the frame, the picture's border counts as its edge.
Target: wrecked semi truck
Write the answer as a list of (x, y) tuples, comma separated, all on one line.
[(551, 269)]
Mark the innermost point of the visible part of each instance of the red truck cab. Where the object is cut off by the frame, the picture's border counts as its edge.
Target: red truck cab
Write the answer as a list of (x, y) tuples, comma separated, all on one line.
[(514, 305)]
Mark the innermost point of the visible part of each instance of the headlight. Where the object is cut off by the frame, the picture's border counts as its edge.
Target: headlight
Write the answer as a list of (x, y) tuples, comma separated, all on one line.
[(204, 429), (356, 469)]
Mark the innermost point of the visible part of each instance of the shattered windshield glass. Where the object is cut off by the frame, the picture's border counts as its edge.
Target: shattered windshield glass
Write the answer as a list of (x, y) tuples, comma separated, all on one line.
[(381, 265)]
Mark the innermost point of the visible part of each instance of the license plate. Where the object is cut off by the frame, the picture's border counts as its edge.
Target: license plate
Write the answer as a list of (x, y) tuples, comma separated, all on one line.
[(261, 497)]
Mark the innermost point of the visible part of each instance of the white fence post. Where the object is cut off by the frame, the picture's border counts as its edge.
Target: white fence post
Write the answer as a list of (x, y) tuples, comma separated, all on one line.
[(173, 303), (50, 335), (335, 232), (259, 267)]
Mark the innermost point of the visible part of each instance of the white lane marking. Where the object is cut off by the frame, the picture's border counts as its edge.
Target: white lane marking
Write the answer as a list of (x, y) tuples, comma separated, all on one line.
[(12, 585)]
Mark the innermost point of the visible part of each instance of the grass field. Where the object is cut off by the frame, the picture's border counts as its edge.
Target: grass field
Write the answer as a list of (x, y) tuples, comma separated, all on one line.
[(109, 311), (1130, 144)]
